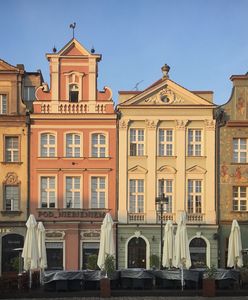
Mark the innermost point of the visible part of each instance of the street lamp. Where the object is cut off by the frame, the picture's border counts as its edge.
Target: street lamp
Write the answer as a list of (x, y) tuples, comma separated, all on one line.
[(160, 202)]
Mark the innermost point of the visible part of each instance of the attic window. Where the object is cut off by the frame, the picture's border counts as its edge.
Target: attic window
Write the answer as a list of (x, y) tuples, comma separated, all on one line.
[(73, 93)]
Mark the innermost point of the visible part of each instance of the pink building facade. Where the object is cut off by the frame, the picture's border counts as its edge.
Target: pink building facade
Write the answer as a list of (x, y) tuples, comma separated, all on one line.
[(72, 157)]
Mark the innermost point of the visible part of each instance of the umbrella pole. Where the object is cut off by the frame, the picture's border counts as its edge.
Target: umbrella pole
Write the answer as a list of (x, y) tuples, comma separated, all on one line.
[(30, 279)]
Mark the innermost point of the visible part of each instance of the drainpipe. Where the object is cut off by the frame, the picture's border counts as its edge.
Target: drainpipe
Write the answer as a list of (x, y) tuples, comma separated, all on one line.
[(28, 161), (118, 116)]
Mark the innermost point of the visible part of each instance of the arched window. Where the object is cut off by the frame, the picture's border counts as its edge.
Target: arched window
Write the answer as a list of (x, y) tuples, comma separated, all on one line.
[(137, 253), (198, 249), (73, 92), (47, 145), (98, 145), (73, 145)]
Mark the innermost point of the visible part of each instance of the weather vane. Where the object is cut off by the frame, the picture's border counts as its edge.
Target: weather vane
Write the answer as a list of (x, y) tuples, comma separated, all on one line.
[(73, 25)]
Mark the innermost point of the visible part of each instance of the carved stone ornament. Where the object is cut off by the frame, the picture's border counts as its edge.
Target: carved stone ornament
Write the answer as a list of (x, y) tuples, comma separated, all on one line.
[(123, 124), (88, 234), (164, 96), (209, 124), (137, 234), (151, 124), (181, 124), (11, 178), (55, 235)]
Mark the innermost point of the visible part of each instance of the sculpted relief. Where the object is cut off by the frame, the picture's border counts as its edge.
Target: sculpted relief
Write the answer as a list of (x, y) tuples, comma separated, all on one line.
[(164, 96)]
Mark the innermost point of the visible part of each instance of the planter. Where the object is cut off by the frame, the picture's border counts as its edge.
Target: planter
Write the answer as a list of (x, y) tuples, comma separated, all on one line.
[(105, 291), (208, 287)]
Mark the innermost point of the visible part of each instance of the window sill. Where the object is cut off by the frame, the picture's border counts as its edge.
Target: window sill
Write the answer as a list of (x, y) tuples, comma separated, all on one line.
[(48, 157), (196, 156), (71, 157), (239, 163), (239, 211), (11, 212), (12, 162), (137, 156), (166, 156), (99, 158)]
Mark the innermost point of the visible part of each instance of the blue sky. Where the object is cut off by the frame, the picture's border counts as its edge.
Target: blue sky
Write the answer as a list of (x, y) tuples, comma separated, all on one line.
[(203, 41)]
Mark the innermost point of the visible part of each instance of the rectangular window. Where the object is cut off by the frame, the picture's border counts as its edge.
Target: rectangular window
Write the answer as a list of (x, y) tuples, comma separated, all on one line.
[(11, 149), (194, 196), (73, 145), (73, 196), (136, 195), (194, 142), (137, 142), (54, 252), (29, 93), (240, 198), (165, 142), (98, 192), (3, 104), (98, 145), (47, 145), (47, 191), (88, 250), (165, 186), (11, 198), (240, 150)]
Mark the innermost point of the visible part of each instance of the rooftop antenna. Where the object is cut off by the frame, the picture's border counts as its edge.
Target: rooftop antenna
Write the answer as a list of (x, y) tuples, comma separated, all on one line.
[(73, 25), (136, 85)]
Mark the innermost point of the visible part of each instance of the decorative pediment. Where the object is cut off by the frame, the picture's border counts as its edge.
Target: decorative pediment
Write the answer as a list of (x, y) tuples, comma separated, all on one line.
[(11, 178), (4, 66), (196, 170), (137, 170), (166, 92), (167, 170)]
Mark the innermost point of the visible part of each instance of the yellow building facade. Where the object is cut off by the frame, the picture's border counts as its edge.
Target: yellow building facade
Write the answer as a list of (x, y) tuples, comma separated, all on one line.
[(16, 86), (166, 147)]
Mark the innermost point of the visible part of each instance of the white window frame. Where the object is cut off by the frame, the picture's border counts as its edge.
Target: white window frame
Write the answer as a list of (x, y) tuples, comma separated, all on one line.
[(240, 151), (136, 194), (194, 194), (12, 150), (239, 198), (73, 145), (137, 142), (12, 201), (166, 142), (99, 190), (168, 191), (73, 190), (98, 145), (3, 103), (48, 146), (48, 190), (195, 143)]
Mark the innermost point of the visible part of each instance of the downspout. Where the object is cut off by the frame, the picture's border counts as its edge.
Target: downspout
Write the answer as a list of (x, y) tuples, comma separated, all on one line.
[(117, 187), (28, 160)]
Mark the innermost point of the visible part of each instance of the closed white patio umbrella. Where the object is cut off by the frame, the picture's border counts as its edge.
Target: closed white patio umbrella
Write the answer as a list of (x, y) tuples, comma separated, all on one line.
[(168, 248), (106, 241), (235, 257), (42, 249), (30, 251), (182, 254)]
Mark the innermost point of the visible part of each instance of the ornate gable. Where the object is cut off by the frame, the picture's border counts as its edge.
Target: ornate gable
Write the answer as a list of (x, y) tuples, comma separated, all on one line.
[(166, 93), (4, 66), (167, 170)]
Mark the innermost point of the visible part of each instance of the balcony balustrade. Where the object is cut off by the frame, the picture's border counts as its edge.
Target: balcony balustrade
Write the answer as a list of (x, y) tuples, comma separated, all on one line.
[(64, 107), (136, 217)]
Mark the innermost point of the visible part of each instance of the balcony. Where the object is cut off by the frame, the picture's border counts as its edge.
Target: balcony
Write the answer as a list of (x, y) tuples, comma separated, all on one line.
[(65, 107), (136, 217), (195, 218), (166, 217)]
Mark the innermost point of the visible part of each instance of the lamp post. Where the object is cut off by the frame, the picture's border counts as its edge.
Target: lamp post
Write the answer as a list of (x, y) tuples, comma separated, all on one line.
[(160, 202)]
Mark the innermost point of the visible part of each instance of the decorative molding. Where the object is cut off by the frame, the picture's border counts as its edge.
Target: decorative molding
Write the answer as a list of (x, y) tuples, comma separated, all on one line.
[(209, 124), (137, 170), (181, 124), (167, 169), (164, 96), (196, 170), (88, 234), (137, 234), (11, 178), (123, 124), (55, 234), (151, 124)]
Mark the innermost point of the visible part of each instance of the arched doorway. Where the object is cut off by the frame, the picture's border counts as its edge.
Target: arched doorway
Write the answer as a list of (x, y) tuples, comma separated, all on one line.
[(10, 261), (198, 251), (137, 253)]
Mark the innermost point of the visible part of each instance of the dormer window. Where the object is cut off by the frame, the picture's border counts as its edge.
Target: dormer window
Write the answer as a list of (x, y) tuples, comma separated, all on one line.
[(73, 93)]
